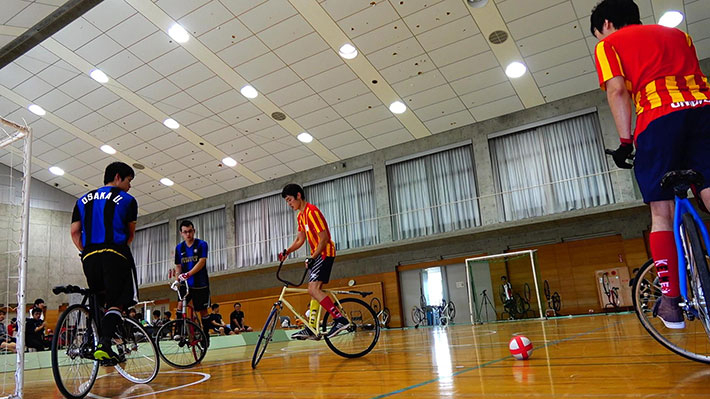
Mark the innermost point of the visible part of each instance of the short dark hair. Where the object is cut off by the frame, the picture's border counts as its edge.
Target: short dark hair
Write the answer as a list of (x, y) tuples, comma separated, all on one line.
[(131, 310), (293, 189), (156, 313), (2, 311), (237, 303), (186, 223), (118, 168), (215, 306), (619, 12), (38, 301), (167, 313), (36, 310)]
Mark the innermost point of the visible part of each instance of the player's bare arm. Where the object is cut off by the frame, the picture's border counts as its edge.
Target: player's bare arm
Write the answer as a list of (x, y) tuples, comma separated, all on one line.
[(620, 104), (76, 235)]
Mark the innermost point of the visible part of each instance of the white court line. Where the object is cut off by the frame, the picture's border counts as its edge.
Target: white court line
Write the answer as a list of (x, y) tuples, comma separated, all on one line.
[(205, 377)]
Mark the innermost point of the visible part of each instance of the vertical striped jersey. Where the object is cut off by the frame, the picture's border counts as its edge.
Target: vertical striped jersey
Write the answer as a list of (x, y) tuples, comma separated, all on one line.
[(660, 68), (105, 214), (311, 221), (187, 257)]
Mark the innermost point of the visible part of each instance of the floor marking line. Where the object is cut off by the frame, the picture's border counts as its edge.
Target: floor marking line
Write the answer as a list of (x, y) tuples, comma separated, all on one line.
[(554, 342)]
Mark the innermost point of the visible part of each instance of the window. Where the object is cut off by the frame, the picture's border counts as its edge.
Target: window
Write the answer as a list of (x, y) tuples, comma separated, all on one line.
[(552, 168), (209, 227), (433, 194), (151, 251)]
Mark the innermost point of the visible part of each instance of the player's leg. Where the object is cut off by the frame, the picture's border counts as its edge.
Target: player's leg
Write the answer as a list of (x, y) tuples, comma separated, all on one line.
[(120, 289), (201, 303), (320, 274)]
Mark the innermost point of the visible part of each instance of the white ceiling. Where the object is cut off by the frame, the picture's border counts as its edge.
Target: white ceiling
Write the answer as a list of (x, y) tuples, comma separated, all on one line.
[(431, 54)]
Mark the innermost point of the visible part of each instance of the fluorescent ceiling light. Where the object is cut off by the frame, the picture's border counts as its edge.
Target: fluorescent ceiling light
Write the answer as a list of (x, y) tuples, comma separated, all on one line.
[(398, 107), (56, 170), (171, 123), (304, 137), (99, 76), (348, 51), (178, 33), (515, 69), (108, 149), (249, 91), (671, 19), (166, 182), (229, 161), (37, 110)]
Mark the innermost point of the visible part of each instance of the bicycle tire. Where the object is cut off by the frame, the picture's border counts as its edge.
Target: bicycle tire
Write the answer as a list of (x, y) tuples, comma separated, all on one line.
[(418, 316), (364, 330), (556, 302), (376, 304), (614, 295), (644, 299), (422, 301), (699, 278), (606, 284), (181, 343), (546, 287), (451, 310), (385, 317), (265, 336), (61, 338), (142, 359)]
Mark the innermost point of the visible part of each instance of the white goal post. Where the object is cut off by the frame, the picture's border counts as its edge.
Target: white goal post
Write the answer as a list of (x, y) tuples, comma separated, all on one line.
[(471, 284)]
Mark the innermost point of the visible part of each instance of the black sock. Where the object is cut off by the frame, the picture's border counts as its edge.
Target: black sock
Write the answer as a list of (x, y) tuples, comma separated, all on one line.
[(206, 325)]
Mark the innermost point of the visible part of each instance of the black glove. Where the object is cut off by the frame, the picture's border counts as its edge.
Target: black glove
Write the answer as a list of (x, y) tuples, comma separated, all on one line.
[(310, 262), (622, 154)]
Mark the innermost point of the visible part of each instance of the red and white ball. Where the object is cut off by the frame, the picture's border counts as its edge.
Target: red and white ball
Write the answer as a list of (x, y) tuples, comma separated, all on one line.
[(520, 347)]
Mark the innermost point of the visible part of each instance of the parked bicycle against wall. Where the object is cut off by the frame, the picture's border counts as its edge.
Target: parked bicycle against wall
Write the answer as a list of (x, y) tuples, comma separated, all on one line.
[(612, 293), (383, 314), (554, 302)]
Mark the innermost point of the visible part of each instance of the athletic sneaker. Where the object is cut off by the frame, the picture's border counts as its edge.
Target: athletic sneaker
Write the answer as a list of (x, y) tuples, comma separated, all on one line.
[(340, 324), (106, 356), (668, 310), (304, 334)]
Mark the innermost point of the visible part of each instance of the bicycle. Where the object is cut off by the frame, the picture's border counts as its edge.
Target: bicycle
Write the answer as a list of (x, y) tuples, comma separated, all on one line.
[(357, 340), (554, 301), (182, 343), (446, 312), (76, 337), (419, 316), (383, 314), (612, 293), (692, 240)]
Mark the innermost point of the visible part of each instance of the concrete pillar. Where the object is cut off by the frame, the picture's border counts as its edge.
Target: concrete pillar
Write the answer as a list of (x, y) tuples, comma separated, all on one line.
[(382, 197), (487, 204)]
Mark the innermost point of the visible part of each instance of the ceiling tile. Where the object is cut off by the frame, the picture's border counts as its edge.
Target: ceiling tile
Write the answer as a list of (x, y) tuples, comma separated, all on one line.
[(73, 111), (155, 159), (58, 138), (341, 9), (153, 46), (37, 59), (173, 61), (33, 88), (240, 112), (381, 127), (458, 30), (316, 64), (470, 66), (150, 131), (549, 39), (564, 71), (75, 146), (368, 19), (120, 64), (91, 122), (209, 191), (57, 74), (292, 154), (86, 172), (92, 157), (396, 53), (139, 78), (570, 87), (275, 172), (205, 18), (54, 156), (559, 55), (479, 81), (330, 128), (181, 150), (236, 145), (99, 98), (512, 10), (11, 8), (176, 102), (76, 34), (436, 15), (344, 91), (243, 51), (459, 50), (250, 154), (268, 134), (304, 106), (158, 91), (172, 168), (166, 141), (331, 78), (392, 138), (408, 69), (448, 122), (109, 14), (208, 89), (13, 74), (222, 102), (357, 104), (285, 32), (135, 120), (221, 136), (384, 36), (178, 9), (419, 83), (262, 162), (260, 66), (131, 30), (225, 35), (254, 124), (377, 113), (318, 118), (193, 114), (191, 75), (497, 108), (542, 20), (306, 163), (53, 100), (267, 14), (353, 150), (140, 151), (439, 109), (99, 49), (79, 86), (125, 140), (301, 48), (488, 95), (290, 94), (276, 80), (206, 125)]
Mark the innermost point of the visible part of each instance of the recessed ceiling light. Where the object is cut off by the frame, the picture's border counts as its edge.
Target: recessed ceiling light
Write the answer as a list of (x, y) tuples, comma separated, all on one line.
[(56, 170), (229, 161), (108, 149), (304, 137), (671, 19), (398, 107), (249, 91), (99, 76), (348, 51), (166, 182), (515, 69), (36, 109), (178, 33), (171, 123)]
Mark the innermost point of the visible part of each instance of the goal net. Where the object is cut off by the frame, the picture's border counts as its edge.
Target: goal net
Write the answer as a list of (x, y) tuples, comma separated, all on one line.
[(15, 176), (504, 287)]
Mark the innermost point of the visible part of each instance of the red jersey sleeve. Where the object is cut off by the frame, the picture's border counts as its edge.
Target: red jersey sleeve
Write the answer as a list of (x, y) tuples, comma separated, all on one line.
[(299, 221), (318, 220), (607, 62)]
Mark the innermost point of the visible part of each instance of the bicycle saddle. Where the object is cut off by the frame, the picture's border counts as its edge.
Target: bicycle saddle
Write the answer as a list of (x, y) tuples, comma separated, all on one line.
[(681, 180)]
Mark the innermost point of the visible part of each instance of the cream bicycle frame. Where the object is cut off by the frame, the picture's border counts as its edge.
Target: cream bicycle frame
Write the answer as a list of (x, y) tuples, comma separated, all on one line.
[(283, 301)]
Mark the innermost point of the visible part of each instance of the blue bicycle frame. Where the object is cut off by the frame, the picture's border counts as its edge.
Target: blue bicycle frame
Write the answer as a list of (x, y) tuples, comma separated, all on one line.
[(683, 206)]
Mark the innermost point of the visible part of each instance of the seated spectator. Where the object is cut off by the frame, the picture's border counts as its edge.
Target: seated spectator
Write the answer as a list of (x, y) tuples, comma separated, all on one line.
[(133, 315), (140, 319), (167, 316), (236, 320), (34, 331), (156, 321), (216, 323), (6, 341), (12, 328)]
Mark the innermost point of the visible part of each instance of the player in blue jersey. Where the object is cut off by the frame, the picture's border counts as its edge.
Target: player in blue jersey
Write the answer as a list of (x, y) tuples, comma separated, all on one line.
[(190, 266), (103, 225)]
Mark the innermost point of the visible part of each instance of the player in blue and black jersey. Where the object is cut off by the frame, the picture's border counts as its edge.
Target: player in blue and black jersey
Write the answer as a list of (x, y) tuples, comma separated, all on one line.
[(190, 266), (103, 225)]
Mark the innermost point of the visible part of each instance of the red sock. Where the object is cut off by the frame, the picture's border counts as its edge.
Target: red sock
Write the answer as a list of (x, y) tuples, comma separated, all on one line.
[(328, 305), (665, 258)]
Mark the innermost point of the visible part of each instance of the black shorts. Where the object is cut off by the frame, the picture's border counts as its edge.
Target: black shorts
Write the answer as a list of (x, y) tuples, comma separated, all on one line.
[(320, 271), (112, 276), (200, 297)]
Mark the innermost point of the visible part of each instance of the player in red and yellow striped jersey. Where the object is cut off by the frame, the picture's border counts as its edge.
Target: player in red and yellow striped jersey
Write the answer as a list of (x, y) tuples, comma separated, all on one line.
[(657, 68), (313, 227)]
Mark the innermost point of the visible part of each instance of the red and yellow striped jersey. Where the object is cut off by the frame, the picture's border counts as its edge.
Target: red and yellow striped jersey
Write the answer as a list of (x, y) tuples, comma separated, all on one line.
[(311, 221), (660, 67)]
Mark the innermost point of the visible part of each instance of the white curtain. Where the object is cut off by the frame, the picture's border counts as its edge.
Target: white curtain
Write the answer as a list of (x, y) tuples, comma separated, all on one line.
[(209, 227), (152, 250), (264, 227), (348, 204), (433, 194), (549, 169)]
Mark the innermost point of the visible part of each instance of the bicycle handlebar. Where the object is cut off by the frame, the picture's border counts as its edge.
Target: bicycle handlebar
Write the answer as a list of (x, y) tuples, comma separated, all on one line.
[(278, 275), (175, 286), (69, 289)]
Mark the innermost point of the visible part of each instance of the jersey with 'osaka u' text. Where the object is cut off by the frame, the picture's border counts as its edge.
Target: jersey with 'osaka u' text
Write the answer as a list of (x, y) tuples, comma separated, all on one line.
[(105, 215)]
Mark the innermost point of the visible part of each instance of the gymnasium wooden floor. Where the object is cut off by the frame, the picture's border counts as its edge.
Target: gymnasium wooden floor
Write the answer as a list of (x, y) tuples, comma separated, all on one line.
[(609, 356)]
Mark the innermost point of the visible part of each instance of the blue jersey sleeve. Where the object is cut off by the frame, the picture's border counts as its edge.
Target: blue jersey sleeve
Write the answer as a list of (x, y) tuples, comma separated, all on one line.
[(177, 255), (203, 249)]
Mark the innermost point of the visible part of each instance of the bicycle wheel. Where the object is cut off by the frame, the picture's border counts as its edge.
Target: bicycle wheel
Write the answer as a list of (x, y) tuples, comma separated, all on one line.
[(547, 290), (698, 272), (181, 343), (266, 333), (142, 359), (363, 333), (73, 343), (385, 316), (690, 342), (451, 310), (605, 283), (418, 316), (526, 293), (556, 302), (422, 301), (614, 296), (376, 305)]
